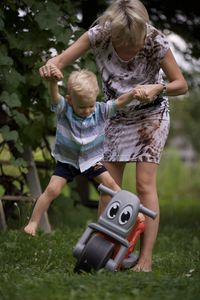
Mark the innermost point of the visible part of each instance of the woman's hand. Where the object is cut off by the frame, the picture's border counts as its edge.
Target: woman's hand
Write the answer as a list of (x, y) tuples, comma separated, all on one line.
[(50, 71), (147, 92)]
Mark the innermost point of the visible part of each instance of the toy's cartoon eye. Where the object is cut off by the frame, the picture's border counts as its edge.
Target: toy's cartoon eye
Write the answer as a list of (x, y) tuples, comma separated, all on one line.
[(113, 209), (125, 215)]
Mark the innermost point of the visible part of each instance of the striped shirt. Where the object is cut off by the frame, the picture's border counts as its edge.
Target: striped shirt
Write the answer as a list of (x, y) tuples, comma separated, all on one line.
[(79, 141)]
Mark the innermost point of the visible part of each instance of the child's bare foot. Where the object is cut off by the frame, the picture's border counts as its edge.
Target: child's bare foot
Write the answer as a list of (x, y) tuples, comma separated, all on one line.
[(143, 265), (31, 228)]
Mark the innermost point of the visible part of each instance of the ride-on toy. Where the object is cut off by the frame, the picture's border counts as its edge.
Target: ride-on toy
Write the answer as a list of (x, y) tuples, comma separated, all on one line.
[(110, 242)]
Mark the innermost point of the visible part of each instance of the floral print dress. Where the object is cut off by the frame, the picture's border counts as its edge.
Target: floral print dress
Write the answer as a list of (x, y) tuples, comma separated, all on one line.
[(139, 131)]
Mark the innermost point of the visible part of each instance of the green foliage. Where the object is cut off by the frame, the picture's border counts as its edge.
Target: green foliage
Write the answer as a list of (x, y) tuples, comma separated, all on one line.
[(29, 29), (191, 123), (30, 33), (185, 114)]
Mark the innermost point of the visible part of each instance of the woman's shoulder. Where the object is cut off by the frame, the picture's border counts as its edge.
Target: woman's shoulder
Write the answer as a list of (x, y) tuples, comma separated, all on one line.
[(97, 34), (155, 37), (153, 32)]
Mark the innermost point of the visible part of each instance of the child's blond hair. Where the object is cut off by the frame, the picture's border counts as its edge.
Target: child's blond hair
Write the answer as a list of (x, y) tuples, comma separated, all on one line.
[(83, 83), (127, 21)]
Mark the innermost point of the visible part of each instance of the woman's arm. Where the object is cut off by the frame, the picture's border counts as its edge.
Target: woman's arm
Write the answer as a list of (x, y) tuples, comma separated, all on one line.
[(67, 57), (176, 85)]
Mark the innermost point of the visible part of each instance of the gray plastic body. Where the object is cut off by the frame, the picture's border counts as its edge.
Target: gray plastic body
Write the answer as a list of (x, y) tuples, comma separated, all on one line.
[(116, 222)]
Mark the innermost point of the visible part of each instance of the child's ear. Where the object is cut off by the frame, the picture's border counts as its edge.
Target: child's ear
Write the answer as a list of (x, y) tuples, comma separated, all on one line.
[(69, 99)]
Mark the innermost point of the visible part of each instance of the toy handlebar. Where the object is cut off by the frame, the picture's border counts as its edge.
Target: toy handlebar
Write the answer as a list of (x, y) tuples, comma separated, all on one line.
[(142, 209), (150, 213), (106, 190)]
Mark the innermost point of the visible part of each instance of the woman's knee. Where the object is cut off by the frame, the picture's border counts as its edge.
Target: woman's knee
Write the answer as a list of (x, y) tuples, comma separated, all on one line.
[(146, 178), (145, 185), (116, 171)]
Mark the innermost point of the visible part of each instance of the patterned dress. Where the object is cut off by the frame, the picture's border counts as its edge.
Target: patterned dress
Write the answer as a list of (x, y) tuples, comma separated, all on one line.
[(139, 131)]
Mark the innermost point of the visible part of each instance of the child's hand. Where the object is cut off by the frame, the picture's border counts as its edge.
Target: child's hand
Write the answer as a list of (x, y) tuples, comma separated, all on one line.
[(147, 92), (50, 71), (56, 74)]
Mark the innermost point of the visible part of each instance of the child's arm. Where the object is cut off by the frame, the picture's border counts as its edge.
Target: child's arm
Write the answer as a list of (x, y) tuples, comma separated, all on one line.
[(124, 99), (54, 91), (53, 85)]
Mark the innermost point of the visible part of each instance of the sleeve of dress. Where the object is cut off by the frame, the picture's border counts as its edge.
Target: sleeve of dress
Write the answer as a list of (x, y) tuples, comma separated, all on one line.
[(97, 36), (92, 33), (60, 106), (161, 45)]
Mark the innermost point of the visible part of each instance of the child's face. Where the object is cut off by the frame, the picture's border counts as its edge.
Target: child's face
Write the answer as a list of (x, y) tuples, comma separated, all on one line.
[(81, 106)]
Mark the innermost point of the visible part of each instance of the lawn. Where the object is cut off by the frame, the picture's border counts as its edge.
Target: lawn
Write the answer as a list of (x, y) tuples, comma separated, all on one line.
[(42, 267)]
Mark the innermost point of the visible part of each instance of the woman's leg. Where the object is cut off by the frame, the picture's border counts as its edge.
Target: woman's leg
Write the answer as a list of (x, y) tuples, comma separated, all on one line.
[(147, 192), (51, 192), (116, 170)]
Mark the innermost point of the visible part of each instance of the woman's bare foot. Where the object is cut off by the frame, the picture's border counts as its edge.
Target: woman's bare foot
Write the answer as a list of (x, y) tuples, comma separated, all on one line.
[(31, 228), (141, 217), (143, 265)]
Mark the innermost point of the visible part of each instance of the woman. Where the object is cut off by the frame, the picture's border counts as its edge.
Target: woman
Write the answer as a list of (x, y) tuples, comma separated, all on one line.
[(130, 53)]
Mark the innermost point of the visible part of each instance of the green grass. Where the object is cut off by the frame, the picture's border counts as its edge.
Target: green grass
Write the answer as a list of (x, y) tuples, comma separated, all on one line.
[(42, 267)]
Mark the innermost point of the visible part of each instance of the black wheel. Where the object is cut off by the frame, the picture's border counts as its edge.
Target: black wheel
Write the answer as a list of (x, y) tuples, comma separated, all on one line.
[(95, 255)]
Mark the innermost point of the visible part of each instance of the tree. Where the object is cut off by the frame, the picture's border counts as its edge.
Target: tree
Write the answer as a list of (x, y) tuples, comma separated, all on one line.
[(181, 18), (30, 31)]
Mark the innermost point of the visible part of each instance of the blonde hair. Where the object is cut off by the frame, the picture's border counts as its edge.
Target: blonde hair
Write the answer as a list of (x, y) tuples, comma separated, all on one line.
[(83, 83), (127, 21)]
